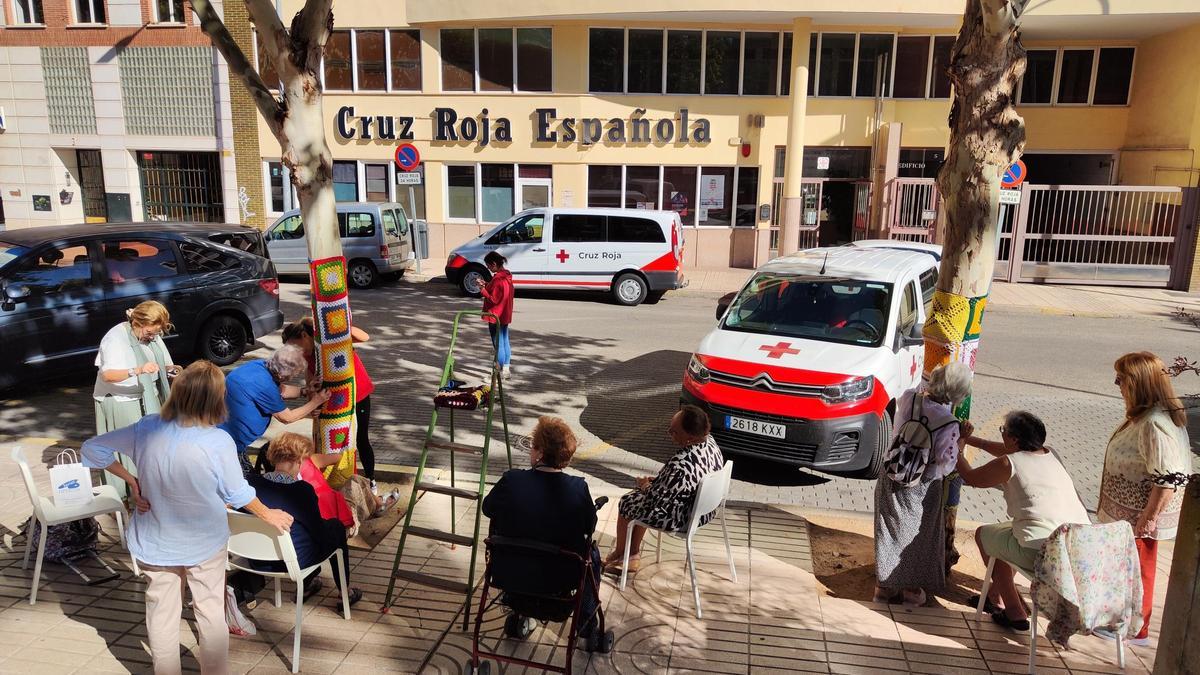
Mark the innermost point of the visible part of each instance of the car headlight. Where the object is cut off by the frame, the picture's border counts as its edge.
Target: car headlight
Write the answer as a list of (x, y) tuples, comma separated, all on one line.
[(697, 370), (847, 392)]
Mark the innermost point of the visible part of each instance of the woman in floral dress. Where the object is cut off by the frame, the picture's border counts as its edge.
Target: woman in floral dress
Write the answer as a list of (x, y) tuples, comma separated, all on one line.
[(1148, 448)]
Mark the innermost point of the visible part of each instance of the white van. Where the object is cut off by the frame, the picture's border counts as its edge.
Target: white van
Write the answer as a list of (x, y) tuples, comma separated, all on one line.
[(635, 254), (806, 361)]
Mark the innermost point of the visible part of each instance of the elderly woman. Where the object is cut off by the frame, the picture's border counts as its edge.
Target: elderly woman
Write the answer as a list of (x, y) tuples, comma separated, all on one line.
[(1040, 498), (664, 502), (188, 473), (133, 367), (910, 547), (1149, 446), (545, 504), (255, 393)]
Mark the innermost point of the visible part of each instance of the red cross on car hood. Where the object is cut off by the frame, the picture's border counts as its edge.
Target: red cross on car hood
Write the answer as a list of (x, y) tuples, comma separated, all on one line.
[(789, 359)]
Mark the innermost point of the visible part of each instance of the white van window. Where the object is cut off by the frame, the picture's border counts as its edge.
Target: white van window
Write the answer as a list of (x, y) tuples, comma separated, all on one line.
[(579, 227), (401, 220), (638, 230), (523, 230), (928, 285), (816, 308), (356, 224), (288, 228), (908, 309), (389, 223)]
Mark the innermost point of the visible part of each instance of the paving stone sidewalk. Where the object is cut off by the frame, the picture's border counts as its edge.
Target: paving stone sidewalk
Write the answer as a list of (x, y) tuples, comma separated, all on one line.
[(775, 618)]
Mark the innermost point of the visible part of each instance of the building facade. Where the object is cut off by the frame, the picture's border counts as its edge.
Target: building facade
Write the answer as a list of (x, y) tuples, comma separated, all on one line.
[(113, 110)]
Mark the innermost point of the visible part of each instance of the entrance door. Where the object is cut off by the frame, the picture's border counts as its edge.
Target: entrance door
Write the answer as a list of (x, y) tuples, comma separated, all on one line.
[(533, 193), (91, 186)]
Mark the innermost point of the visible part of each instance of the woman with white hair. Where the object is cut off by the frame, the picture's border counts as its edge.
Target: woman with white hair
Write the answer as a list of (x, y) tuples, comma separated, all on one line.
[(910, 530), (255, 393)]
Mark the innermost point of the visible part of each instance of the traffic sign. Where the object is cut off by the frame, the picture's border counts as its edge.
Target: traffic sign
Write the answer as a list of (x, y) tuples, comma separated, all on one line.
[(1014, 175), (1010, 196), (407, 157), (408, 178)]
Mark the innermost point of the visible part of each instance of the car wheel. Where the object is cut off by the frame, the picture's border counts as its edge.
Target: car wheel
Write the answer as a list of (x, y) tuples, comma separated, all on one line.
[(871, 471), (362, 274), (473, 280), (222, 340), (629, 290)]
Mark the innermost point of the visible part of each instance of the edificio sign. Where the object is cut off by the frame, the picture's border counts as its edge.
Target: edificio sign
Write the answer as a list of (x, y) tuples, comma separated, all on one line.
[(548, 127)]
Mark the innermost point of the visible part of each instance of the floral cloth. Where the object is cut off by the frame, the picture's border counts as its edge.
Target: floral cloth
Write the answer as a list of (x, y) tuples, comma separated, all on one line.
[(1089, 577), (1149, 445)]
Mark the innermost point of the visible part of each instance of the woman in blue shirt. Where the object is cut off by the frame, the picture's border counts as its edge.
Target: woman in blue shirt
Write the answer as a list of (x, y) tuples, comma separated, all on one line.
[(187, 473)]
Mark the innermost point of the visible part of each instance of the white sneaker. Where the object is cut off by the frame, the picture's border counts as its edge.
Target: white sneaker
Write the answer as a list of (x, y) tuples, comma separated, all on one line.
[(1111, 635), (505, 372)]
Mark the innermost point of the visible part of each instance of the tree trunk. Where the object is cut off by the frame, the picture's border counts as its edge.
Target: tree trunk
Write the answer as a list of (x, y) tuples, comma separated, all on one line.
[(1179, 639), (986, 136), (298, 124)]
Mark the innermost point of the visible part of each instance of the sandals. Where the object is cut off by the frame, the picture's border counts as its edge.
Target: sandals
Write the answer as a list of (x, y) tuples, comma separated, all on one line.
[(389, 500), (1016, 625), (614, 568), (355, 595)]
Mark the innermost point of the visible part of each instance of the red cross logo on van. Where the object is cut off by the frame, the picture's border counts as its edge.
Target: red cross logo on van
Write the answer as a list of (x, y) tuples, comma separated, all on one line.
[(562, 255), (779, 350)]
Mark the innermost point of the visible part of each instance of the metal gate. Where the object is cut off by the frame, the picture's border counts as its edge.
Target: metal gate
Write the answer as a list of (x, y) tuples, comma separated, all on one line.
[(91, 186), (862, 210), (810, 215), (912, 209), (181, 186)]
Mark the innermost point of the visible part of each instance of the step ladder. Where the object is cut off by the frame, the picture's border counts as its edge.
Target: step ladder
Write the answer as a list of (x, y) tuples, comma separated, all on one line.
[(473, 493)]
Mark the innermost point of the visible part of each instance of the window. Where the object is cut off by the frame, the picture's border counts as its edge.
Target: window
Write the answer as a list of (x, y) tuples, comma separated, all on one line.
[(837, 64), (535, 59), (412, 197), (579, 228), (371, 57), (928, 286), (835, 310), (496, 188), (679, 192), (200, 259), (645, 62), (604, 186), (89, 11), (635, 230), (266, 70), (1075, 75), (939, 76), (28, 12), (406, 60), (874, 65), (1113, 74), (642, 186), (524, 230), (458, 59), (683, 61), (394, 223), (338, 75), (289, 228), (377, 182), (495, 59), (908, 310), (760, 63), (277, 184), (1037, 85), (169, 11), (785, 79), (814, 41), (747, 196), (721, 62), (912, 63), (54, 269), (356, 224), (345, 181), (606, 60), (715, 208), (920, 162), (460, 181), (128, 261)]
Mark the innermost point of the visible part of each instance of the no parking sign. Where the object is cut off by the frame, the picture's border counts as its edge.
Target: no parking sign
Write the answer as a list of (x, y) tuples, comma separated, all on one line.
[(407, 157), (1014, 175)]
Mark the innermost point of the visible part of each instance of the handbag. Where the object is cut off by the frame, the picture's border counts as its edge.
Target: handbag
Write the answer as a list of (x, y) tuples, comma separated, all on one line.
[(70, 480)]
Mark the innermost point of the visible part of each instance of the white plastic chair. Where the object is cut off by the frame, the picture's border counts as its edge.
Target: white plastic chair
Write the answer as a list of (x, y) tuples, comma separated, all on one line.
[(47, 513), (252, 539), (710, 496), (1033, 615)]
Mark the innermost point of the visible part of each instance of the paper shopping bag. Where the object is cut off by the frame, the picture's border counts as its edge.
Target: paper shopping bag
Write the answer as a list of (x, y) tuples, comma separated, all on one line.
[(71, 481)]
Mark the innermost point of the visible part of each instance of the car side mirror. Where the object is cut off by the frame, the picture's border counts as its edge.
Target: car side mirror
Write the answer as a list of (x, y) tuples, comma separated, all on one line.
[(16, 292), (724, 303), (915, 337)]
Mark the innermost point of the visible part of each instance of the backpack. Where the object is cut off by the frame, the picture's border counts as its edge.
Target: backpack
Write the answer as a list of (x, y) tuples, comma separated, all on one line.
[(907, 458), (65, 541)]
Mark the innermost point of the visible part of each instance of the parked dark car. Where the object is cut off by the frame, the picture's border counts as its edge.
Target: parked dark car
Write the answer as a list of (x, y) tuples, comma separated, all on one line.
[(62, 287)]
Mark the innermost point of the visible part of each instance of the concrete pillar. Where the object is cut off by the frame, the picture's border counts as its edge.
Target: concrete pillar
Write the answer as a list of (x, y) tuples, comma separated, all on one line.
[(793, 198)]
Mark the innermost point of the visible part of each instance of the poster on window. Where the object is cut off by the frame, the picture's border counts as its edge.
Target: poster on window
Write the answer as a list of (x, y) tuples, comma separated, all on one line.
[(712, 192)]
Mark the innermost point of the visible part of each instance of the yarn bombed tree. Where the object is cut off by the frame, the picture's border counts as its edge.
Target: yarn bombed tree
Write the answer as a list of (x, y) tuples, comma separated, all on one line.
[(295, 118)]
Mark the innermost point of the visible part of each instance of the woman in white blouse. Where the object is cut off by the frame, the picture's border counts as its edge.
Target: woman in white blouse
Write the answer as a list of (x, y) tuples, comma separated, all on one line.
[(1149, 447), (133, 371)]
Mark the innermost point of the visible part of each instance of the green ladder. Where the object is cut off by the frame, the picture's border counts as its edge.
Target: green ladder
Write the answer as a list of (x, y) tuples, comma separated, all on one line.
[(475, 493)]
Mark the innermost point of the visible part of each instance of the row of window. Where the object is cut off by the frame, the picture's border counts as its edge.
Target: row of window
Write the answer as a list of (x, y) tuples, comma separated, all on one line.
[(353, 181), (706, 196), (90, 12), (1078, 76), (578, 228)]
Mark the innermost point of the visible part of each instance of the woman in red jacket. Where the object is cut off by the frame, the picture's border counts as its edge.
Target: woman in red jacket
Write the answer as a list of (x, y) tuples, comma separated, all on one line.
[(498, 300)]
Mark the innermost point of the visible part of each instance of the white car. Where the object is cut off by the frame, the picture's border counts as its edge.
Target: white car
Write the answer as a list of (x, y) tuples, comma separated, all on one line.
[(807, 360), (634, 254)]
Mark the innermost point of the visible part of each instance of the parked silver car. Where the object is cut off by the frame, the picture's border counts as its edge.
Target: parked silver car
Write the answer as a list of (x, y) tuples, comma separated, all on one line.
[(377, 240)]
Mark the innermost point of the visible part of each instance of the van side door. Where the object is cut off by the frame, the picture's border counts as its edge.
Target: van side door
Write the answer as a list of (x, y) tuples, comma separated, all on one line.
[(288, 248), (910, 360), (523, 242)]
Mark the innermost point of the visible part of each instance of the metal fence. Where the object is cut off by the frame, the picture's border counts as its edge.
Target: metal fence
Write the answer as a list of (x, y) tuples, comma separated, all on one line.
[(912, 213)]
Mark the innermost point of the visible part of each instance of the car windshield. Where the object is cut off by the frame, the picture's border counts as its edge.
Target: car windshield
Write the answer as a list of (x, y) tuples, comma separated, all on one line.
[(816, 308), (10, 252)]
